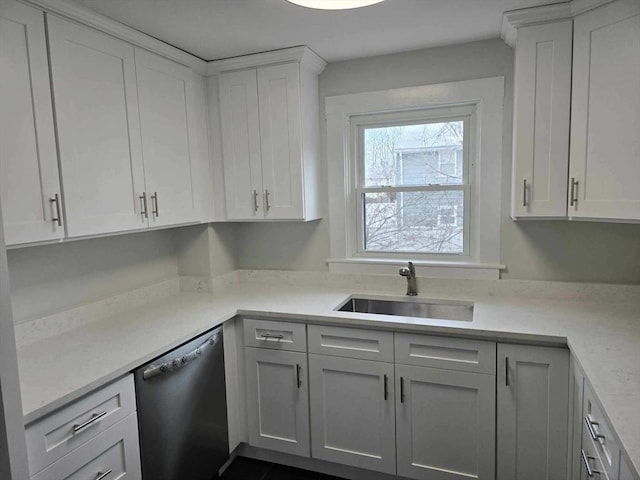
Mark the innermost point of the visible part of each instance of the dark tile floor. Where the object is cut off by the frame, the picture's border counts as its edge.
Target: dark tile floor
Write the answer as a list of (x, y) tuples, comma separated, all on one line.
[(249, 469)]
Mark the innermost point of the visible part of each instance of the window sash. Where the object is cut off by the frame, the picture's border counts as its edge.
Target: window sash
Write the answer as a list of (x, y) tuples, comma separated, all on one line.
[(464, 114), (360, 227)]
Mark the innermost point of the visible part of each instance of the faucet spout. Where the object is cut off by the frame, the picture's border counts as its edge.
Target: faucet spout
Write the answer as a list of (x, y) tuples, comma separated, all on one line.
[(410, 273)]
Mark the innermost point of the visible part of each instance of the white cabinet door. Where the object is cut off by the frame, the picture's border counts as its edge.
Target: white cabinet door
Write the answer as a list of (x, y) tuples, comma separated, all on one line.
[(605, 115), (167, 123), (28, 162), (532, 400), (352, 412), (240, 125), (280, 140), (277, 400), (541, 120), (96, 107), (445, 424)]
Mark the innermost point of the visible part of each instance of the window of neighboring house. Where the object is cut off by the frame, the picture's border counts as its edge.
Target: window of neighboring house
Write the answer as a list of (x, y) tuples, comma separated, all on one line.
[(415, 174), (408, 175)]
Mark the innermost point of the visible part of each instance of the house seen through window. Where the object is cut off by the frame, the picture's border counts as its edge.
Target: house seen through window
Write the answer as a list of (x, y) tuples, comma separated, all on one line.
[(413, 187)]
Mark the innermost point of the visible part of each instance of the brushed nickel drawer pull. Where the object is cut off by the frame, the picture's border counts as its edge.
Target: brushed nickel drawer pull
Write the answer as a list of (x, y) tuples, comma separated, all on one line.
[(277, 336), (101, 475), (94, 418), (58, 218), (585, 460), (267, 205), (590, 423)]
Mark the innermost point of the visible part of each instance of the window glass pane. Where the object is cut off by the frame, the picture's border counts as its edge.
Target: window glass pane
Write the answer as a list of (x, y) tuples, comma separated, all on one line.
[(424, 222), (413, 155)]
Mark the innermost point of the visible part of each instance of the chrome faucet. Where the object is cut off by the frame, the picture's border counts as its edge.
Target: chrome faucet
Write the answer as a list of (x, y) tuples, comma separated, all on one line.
[(410, 272)]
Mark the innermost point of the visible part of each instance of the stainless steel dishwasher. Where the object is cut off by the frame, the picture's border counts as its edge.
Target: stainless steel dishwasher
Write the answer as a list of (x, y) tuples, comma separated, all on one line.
[(182, 411)]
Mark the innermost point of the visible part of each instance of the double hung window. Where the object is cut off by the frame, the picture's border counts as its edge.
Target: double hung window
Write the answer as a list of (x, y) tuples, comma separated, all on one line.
[(413, 182)]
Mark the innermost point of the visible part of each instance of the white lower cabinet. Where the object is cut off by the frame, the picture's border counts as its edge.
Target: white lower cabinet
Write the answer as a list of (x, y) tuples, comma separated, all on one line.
[(533, 404), (352, 412), (278, 400), (94, 437), (445, 424), (112, 455)]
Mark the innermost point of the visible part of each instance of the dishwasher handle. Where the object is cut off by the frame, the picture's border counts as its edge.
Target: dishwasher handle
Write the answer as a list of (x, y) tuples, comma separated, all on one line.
[(181, 361)]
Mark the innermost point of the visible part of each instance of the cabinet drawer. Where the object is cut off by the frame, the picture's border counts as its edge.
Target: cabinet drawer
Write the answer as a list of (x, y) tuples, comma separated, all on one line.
[(599, 432), (351, 342), (114, 454), (57, 434), (275, 335), (464, 355)]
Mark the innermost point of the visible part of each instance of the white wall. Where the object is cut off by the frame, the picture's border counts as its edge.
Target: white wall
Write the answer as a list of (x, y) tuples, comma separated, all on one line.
[(51, 278), (545, 250)]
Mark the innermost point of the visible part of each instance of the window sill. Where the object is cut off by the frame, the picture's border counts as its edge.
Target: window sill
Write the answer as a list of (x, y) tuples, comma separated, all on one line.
[(428, 269)]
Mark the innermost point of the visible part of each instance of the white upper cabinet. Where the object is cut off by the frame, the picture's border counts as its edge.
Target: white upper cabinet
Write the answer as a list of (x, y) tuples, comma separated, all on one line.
[(29, 183), (269, 125), (167, 124), (96, 105), (605, 118), (541, 120), (280, 141), (241, 144), (583, 164)]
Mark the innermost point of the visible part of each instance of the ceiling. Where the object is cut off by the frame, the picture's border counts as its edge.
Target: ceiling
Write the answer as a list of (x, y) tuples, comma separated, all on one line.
[(215, 29)]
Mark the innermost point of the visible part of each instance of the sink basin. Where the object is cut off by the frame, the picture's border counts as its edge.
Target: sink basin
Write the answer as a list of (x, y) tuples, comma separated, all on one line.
[(438, 309)]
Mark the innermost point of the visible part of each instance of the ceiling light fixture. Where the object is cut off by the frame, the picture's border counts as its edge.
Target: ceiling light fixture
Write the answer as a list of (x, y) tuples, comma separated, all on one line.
[(334, 4)]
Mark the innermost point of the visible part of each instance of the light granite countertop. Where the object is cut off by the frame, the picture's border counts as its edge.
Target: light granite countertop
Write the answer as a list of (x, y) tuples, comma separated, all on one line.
[(604, 337)]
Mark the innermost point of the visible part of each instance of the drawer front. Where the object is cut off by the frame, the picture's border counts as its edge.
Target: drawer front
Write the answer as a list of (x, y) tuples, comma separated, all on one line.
[(112, 455), (351, 343), (64, 430), (460, 354), (590, 460), (600, 432), (275, 335)]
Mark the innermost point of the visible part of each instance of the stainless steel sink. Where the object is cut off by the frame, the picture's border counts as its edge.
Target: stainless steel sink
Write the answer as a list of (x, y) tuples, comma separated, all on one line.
[(441, 310)]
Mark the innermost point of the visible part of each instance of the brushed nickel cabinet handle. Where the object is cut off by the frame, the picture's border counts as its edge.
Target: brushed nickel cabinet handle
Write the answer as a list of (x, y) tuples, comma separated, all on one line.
[(506, 371), (524, 193), (255, 201), (386, 387), (94, 418), (298, 379), (401, 390), (573, 199), (590, 423), (267, 205), (585, 460), (143, 203), (58, 218), (154, 204), (101, 475)]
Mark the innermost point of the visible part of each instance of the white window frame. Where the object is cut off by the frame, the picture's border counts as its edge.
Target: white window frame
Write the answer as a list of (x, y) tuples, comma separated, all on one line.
[(343, 112), (465, 114)]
